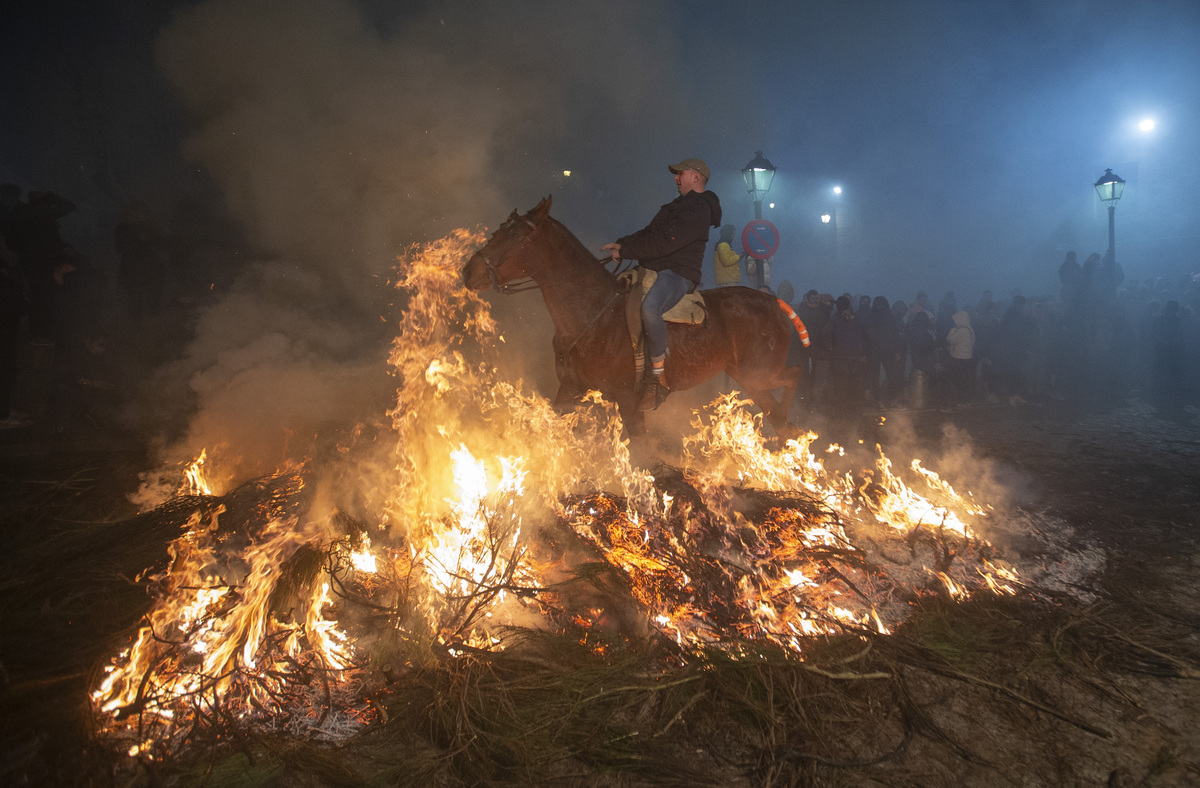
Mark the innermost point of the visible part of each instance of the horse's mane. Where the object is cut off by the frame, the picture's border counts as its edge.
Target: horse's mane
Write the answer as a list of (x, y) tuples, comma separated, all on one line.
[(576, 248)]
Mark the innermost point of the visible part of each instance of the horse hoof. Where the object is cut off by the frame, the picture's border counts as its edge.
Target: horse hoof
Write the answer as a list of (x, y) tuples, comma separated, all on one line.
[(788, 431)]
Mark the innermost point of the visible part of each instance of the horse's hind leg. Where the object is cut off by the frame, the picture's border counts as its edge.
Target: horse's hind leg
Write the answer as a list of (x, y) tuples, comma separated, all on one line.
[(791, 380), (776, 410)]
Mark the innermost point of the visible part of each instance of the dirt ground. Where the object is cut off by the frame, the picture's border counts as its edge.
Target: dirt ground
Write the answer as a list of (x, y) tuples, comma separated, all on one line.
[(1101, 690)]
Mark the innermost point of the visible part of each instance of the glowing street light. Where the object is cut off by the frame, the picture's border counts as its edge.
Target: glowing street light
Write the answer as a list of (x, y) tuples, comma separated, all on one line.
[(1147, 124), (758, 175), (825, 218), (1110, 186), (837, 189)]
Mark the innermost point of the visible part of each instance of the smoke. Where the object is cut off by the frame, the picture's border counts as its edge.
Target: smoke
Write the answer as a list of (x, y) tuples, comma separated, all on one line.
[(339, 139)]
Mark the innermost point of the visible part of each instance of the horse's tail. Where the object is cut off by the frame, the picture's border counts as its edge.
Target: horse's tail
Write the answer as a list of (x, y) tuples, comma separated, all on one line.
[(796, 321)]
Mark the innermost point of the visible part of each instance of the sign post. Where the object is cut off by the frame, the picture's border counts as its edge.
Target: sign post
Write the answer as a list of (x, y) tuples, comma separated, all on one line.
[(760, 239)]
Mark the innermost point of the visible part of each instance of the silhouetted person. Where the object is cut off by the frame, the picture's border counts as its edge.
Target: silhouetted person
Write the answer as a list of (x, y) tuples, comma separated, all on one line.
[(922, 348), (1109, 276), (814, 316), (987, 342), (885, 351), (36, 239), (985, 301), (1167, 356), (142, 247), (1070, 275), (1017, 338), (864, 307), (944, 321), (786, 293), (10, 199), (919, 304), (1089, 274), (80, 363), (12, 309), (846, 339)]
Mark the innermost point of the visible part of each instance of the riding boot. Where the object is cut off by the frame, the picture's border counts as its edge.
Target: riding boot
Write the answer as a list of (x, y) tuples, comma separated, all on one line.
[(653, 392)]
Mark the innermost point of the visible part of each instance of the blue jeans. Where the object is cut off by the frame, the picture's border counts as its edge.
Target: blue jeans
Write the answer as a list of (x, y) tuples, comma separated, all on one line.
[(665, 293)]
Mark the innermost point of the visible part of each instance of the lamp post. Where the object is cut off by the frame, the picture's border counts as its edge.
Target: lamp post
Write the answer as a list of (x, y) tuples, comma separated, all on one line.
[(1109, 187), (758, 175)]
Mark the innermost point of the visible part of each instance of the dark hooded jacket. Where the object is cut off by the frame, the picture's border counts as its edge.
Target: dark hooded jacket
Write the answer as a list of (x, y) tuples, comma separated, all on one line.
[(677, 236)]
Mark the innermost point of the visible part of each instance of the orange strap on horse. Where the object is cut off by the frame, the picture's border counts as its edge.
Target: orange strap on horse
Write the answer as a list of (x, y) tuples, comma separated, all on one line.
[(796, 321)]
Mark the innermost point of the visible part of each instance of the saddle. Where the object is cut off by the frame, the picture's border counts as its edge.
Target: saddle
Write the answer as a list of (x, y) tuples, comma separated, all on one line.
[(689, 311)]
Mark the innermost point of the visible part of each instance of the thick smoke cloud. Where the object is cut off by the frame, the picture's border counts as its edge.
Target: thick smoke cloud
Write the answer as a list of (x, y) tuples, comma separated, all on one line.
[(966, 136), (337, 140)]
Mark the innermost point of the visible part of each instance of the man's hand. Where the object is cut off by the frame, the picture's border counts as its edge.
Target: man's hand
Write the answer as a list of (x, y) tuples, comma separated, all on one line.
[(614, 251)]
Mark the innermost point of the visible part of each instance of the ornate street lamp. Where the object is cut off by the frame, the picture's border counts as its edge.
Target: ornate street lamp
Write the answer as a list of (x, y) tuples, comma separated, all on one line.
[(1109, 187), (758, 175)]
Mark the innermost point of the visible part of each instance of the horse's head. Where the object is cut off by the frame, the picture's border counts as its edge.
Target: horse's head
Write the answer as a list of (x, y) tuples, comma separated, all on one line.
[(504, 259)]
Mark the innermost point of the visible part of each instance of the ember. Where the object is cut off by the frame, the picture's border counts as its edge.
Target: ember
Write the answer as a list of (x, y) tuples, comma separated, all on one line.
[(486, 515)]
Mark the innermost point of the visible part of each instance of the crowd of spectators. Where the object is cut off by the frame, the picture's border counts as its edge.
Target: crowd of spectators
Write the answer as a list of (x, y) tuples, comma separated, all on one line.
[(1099, 340)]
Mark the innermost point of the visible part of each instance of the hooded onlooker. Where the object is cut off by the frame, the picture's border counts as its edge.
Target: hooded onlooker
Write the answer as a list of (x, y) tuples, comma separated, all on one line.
[(885, 350), (786, 292), (1070, 274), (727, 268), (960, 346)]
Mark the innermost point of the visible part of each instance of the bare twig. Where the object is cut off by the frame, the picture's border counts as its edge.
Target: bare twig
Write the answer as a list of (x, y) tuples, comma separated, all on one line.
[(967, 677)]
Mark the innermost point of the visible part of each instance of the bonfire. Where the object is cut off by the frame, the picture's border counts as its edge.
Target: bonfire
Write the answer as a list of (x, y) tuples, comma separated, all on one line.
[(490, 517)]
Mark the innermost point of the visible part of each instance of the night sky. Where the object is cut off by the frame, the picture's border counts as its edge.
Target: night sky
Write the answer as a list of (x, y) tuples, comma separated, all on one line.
[(966, 135)]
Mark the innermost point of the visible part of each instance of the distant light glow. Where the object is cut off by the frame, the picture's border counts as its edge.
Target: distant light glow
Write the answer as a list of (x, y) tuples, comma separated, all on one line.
[(825, 218), (837, 189), (770, 205), (566, 173), (1147, 124)]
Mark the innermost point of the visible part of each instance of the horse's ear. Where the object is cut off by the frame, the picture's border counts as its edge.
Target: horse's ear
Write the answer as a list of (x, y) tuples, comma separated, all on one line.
[(542, 209)]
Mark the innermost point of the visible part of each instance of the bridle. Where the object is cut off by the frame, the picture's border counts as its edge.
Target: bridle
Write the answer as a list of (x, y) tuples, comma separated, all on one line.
[(517, 285)]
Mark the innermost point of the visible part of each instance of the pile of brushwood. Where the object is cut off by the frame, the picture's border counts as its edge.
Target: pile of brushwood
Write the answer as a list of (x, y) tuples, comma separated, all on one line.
[(995, 690)]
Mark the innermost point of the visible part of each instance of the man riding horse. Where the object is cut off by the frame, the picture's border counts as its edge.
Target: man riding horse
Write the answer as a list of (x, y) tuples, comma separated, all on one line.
[(673, 246)]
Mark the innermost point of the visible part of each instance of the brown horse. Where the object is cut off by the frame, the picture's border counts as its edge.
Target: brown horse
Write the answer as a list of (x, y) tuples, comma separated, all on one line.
[(745, 334)]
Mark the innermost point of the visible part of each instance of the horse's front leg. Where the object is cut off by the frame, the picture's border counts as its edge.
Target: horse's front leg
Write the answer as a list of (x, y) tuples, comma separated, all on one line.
[(567, 397), (570, 387)]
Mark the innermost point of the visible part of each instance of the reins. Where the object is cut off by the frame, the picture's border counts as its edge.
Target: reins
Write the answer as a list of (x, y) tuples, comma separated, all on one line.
[(591, 323)]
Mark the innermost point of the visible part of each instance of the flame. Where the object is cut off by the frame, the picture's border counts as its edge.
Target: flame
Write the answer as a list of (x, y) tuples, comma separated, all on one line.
[(194, 480), (448, 559)]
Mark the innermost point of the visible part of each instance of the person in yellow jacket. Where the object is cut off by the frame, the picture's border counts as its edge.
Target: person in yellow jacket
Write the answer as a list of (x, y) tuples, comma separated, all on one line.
[(726, 262)]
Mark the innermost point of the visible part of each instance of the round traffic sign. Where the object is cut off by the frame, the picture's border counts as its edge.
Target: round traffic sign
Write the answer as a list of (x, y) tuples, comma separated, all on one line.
[(760, 239)]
